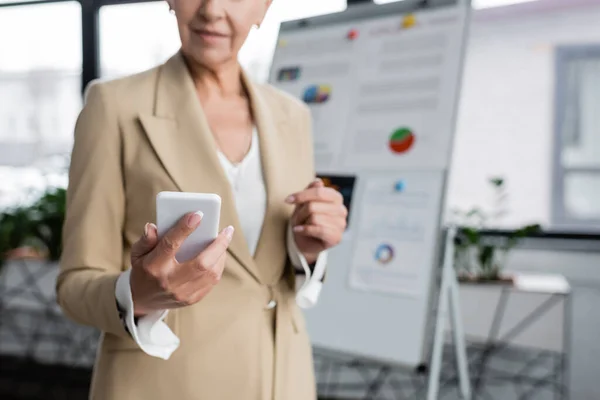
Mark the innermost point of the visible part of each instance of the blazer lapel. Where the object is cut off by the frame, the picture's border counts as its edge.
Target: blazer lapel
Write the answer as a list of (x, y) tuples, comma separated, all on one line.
[(271, 124), (180, 135)]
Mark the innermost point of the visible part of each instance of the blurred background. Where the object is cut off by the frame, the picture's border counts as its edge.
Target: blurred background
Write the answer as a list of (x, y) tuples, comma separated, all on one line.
[(509, 152)]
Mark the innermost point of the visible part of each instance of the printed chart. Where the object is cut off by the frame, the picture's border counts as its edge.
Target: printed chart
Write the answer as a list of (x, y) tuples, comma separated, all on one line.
[(316, 68), (402, 141), (381, 92), (396, 232)]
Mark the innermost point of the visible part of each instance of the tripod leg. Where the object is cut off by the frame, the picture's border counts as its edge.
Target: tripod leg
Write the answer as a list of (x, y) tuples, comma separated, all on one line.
[(459, 339), (433, 386)]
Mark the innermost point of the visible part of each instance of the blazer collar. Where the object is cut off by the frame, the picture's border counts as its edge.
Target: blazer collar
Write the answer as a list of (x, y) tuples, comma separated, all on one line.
[(180, 134)]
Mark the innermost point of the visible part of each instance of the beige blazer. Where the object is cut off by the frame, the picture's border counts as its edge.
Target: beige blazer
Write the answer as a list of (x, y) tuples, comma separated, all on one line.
[(146, 133)]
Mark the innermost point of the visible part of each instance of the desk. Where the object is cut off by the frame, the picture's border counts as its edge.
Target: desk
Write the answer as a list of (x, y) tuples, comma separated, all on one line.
[(519, 335)]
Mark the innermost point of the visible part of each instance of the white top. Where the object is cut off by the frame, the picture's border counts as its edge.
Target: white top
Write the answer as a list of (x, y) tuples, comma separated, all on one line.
[(246, 178), (247, 182)]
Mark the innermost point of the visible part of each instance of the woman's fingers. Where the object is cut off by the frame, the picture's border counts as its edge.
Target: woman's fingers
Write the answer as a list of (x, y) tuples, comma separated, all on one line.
[(146, 243), (205, 267), (305, 211), (328, 230), (192, 291), (211, 255), (317, 193), (162, 282), (169, 244)]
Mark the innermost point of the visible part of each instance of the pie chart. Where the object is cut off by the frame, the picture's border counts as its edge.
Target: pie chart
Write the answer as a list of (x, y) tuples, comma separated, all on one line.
[(402, 140), (384, 253)]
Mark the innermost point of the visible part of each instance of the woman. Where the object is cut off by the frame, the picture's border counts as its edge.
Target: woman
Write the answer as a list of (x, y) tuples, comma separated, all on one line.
[(225, 325)]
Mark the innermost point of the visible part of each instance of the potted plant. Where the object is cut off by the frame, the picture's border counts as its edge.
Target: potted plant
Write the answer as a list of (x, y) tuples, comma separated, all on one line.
[(30, 245), (48, 216), (34, 231), (16, 239), (480, 258)]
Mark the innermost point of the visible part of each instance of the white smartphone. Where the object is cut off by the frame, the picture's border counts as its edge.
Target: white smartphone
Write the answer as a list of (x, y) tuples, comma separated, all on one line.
[(172, 206)]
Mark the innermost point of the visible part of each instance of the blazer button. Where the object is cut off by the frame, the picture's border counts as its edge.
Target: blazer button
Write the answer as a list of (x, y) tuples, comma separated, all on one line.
[(271, 305)]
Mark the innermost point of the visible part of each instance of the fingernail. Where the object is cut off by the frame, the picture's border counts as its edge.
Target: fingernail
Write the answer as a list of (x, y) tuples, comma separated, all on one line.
[(146, 230), (195, 219), (290, 199), (299, 228), (229, 232)]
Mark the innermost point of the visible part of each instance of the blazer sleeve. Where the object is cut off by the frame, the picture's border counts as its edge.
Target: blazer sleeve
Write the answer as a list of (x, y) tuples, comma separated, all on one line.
[(92, 256)]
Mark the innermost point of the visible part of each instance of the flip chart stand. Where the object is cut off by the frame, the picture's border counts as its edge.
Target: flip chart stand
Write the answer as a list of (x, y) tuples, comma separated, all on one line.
[(331, 364), (449, 302)]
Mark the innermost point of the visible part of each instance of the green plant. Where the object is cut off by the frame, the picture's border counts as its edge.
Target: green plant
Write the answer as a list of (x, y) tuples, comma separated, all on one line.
[(15, 230), (38, 225), (48, 216), (480, 257)]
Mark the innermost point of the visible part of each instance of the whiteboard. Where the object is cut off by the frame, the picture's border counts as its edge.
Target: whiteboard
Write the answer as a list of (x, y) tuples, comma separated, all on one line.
[(382, 84)]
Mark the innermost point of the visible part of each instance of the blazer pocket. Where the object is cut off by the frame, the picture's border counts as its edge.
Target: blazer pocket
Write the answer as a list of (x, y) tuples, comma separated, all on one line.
[(116, 343)]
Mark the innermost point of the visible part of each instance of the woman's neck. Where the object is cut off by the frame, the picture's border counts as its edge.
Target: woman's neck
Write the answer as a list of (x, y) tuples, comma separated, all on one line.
[(224, 82)]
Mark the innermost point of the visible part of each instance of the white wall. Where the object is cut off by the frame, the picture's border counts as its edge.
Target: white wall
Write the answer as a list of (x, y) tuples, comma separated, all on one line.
[(506, 117)]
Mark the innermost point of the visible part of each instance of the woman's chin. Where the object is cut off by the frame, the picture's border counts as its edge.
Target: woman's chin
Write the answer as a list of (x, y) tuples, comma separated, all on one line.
[(210, 57)]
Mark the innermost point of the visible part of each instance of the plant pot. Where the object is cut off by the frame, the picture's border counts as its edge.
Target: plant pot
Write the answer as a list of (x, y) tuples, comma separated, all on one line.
[(482, 280), (482, 264), (25, 253)]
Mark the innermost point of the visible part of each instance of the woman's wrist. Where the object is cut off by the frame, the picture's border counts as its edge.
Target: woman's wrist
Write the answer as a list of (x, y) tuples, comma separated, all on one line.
[(311, 258), (139, 313)]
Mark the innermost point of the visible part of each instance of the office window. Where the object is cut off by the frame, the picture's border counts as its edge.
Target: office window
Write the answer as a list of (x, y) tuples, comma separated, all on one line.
[(577, 155), (40, 80), (135, 37)]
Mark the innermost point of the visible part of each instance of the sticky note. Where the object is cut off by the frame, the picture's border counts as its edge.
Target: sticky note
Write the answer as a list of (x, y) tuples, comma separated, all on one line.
[(409, 21), (353, 34)]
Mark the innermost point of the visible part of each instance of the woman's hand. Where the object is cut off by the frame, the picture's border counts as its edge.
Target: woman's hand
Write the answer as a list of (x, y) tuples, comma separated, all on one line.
[(319, 220), (159, 282)]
